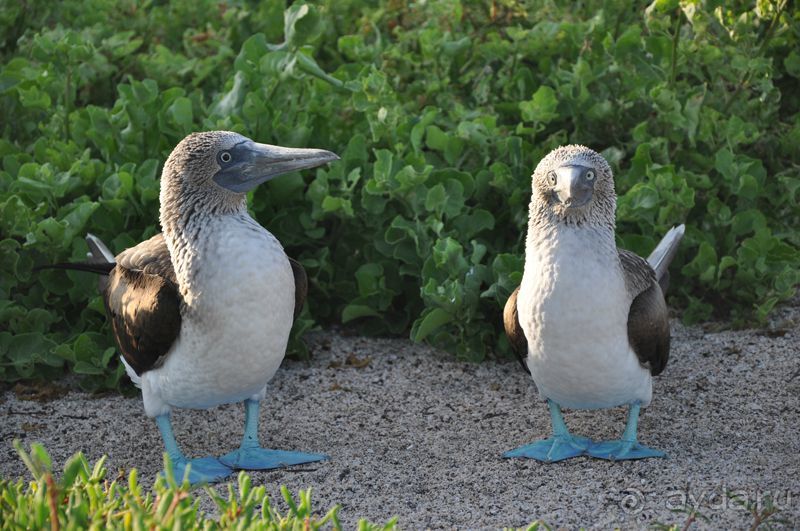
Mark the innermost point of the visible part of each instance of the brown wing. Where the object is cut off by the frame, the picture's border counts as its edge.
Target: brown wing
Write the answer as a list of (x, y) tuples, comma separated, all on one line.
[(151, 257), (143, 302), (519, 343), (300, 286), (648, 317)]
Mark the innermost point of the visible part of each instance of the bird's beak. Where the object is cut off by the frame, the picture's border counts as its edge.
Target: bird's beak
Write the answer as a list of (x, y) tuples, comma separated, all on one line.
[(253, 163), (573, 187)]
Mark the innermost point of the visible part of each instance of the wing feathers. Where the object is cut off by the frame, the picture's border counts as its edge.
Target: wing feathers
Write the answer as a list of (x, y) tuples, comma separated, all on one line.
[(648, 329), (151, 257), (145, 316), (99, 253), (143, 302), (663, 254), (300, 286), (648, 317), (519, 343)]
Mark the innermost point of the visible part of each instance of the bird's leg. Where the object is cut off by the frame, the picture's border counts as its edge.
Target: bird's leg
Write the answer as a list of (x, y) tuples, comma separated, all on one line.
[(201, 470), (250, 438), (562, 445), (251, 456), (628, 447)]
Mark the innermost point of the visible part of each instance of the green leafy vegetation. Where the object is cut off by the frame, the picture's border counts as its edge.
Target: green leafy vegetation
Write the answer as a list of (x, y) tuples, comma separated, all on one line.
[(84, 498), (440, 110)]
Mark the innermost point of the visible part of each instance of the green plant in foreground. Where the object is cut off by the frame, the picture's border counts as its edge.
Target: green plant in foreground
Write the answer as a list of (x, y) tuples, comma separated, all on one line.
[(83, 498), (533, 526)]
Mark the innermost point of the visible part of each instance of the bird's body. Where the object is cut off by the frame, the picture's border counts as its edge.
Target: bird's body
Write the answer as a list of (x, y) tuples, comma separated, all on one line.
[(202, 312), (238, 304), (589, 321), (573, 306)]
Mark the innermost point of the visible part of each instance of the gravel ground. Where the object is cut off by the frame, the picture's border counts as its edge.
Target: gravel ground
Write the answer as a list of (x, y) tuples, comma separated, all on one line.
[(416, 434)]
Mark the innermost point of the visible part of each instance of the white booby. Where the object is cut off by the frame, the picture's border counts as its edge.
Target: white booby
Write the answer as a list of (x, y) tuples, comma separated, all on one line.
[(202, 312), (589, 320)]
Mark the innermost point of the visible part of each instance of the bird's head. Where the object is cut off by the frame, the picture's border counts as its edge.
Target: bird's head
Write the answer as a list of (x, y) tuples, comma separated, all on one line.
[(220, 167), (573, 185)]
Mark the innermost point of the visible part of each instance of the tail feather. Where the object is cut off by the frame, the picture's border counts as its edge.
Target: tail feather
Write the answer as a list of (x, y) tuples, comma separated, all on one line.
[(99, 260), (663, 254), (99, 253), (100, 269)]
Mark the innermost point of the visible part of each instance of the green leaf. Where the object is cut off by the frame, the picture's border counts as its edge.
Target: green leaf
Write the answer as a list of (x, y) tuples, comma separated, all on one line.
[(301, 24), (792, 64), (435, 200), (77, 217), (433, 319), (704, 264), (74, 466), (84, 367), (724, 163), (181, 112), (354, 311), (33, 98), (541, 107), (748, 187)]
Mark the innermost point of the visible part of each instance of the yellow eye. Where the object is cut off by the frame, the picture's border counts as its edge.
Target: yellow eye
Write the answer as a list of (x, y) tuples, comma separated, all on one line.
[(552, 178)]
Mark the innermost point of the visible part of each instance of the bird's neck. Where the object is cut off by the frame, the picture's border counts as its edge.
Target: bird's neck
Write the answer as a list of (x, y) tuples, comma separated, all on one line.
[(545, 233), (187, 220), (186, 210)]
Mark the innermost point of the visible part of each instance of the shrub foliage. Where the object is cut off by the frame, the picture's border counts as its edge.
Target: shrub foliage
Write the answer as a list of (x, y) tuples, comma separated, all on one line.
[(440, 110), (83, 497)]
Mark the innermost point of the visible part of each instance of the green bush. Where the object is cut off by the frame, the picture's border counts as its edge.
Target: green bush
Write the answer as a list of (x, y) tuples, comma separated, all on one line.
[(440, 111), (84, 498)]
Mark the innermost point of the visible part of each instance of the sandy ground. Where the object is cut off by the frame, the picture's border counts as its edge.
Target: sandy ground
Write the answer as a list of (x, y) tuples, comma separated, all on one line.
[(419, 435)]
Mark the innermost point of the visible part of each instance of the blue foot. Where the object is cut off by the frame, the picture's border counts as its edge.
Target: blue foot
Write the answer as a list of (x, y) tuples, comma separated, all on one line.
[(627, 447), (262, 459), (551, 450), (203, 470), (620, 450)]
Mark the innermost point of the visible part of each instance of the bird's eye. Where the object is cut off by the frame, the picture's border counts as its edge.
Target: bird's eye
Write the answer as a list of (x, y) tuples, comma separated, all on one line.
[(225, 156), (552, 178), (590, 175)]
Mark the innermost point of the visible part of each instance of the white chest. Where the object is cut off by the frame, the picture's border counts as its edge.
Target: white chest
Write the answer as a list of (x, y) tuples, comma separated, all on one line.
[(237, 319), (573, 307)]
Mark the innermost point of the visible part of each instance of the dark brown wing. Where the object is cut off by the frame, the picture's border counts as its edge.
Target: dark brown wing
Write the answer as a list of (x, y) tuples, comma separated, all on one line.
[(143, 302), (300, 286), (151, 257), (519, 343), (648, 317)]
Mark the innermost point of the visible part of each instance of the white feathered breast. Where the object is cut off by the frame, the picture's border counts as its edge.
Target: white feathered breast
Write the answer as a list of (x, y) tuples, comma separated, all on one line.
[(573, 307), (240, 304)]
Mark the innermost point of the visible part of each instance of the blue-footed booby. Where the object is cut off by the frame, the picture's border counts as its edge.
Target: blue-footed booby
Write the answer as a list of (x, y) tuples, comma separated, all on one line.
[(589, 321), (201, 313)]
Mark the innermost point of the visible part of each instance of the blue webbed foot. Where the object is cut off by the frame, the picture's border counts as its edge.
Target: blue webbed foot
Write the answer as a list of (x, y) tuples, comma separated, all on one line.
[(619, 450), (257, 458), (562, 445), (203, 470), (251, 456), (553, 449), (627, 447)]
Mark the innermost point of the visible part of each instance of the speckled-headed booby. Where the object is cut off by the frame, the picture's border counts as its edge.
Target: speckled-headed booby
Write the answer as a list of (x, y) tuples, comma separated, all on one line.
[(202, 312), (589, 320)]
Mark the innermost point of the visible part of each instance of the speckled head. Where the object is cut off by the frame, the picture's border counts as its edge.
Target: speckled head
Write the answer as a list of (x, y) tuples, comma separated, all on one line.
[(573, 185), (212, 171)]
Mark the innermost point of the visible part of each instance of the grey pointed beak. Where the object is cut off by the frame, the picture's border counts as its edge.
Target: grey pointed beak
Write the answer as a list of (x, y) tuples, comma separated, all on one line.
[(575, 185), (252, 164)]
